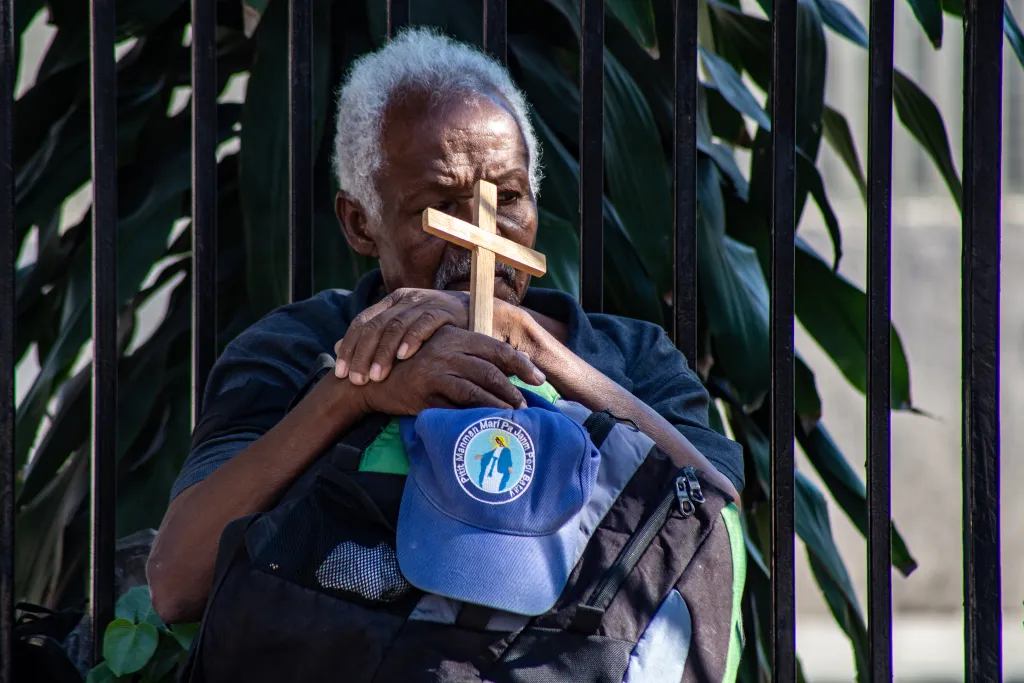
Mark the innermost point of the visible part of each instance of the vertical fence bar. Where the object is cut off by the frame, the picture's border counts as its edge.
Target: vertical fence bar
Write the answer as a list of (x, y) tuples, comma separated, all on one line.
[(204, 197), (591, 155), (684, 169), (398, 16), (783, 139), (8, 254), (300, 147), (496, 29), (104, 317), (983, 72), (878, 321)]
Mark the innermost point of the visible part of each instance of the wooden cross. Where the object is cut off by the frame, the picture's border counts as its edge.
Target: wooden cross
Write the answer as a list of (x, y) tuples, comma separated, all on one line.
[(486, 246)]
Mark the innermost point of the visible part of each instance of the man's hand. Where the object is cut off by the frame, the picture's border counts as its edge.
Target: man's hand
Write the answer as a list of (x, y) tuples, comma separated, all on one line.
[(397, 326), (454, 368)]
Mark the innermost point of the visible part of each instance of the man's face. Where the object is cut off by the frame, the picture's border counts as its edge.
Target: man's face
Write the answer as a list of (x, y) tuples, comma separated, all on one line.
[(433, 155)]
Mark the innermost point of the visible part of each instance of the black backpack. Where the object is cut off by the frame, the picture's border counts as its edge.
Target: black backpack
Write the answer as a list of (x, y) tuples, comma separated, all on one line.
[(654, 597)]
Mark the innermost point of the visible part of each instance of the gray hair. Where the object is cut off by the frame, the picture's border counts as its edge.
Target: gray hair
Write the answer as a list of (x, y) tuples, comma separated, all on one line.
[(417, 57)]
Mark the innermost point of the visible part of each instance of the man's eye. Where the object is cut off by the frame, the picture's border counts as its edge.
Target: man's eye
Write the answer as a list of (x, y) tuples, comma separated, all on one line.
[(506, 197)]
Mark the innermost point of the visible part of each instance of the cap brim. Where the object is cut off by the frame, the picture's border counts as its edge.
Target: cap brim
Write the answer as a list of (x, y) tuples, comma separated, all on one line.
[(519, 574)]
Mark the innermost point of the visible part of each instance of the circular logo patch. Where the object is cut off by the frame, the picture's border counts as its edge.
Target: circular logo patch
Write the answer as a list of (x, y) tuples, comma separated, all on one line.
[(494, 460)]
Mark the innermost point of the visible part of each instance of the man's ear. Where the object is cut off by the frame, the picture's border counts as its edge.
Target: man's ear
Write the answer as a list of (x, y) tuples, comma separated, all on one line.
[(355, 224)]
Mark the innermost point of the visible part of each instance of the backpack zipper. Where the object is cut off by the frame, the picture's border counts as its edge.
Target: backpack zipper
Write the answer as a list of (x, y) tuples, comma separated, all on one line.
[(686, 494)]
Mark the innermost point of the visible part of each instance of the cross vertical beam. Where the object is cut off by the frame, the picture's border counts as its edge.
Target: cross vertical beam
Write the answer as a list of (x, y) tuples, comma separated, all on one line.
[(481, 288), (486, 246)]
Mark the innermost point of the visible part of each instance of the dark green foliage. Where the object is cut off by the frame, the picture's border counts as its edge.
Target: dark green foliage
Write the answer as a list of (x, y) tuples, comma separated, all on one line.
[(53, 293)]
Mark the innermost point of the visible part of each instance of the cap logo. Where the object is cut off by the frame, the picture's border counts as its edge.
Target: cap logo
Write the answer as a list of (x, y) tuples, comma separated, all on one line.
[(494, 460)]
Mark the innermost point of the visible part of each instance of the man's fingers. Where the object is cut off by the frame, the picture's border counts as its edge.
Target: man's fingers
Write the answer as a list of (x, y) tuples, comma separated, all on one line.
[(346, 347), (509, 360), (361, 367), (421, 329), (464, 393), (491, 379), (383, 356)]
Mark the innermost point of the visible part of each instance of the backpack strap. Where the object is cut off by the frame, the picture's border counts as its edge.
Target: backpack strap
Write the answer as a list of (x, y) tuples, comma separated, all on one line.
[(474, 617), (231, 540)]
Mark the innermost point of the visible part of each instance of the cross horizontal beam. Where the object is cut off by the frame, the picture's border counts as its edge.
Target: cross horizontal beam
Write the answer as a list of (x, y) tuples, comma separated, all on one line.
[(470, 237)]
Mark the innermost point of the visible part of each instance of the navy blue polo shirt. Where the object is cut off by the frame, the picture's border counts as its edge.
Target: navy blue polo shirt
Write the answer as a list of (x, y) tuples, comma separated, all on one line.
[(255, 379)]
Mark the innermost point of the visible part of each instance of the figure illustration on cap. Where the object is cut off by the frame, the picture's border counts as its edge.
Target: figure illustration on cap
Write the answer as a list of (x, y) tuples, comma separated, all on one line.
[(494, 460), (495, 465)]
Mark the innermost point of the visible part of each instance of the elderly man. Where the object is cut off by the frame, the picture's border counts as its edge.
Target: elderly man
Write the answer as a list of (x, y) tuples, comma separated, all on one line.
[(419, 122)]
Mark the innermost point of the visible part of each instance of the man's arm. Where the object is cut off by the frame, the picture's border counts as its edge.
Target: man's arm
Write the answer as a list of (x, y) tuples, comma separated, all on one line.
[(538, 337), (456, 368), (181, 563)]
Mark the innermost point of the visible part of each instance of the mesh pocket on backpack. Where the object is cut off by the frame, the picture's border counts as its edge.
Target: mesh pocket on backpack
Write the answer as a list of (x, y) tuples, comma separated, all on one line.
[(333, 540)]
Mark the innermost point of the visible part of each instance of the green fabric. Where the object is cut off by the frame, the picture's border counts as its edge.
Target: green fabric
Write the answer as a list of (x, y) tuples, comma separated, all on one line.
[(545, 391), (731, 517), (387, 454)]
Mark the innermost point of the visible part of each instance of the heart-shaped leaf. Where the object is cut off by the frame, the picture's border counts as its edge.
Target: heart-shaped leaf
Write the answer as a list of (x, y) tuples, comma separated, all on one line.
[(184, 634), (137, 607), (127, 646), (102, 674)]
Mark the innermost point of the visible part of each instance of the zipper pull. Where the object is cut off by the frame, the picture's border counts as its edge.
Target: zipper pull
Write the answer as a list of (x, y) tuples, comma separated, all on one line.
[(691, 479), (686, 506)]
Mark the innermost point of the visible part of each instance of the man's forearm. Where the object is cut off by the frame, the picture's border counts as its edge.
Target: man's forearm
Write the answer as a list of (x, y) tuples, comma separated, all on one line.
[(181, 564), (577, 381)]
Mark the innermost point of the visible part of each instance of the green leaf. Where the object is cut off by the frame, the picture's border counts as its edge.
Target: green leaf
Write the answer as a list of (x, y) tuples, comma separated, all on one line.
[(840, 19), (638, 18), (636, 169), (137, 607), (252, 12), (40, 529), (161, 665), (733, 291), (733, 89), (833, 311), (101, 673), (264, 181), (1010, 26), (127, 646), (557, 239), (848, 490), (814, 528), (1013, 33), (840, 139), (809, 176), (830, 307), (184, 634), (929, 15), (922, 119)]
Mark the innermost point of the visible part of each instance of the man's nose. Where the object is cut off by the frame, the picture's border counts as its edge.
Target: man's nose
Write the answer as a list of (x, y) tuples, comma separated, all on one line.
[(465, 209)]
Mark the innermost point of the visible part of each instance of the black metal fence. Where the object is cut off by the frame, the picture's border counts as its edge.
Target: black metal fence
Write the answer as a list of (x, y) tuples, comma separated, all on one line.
[(982, 110)]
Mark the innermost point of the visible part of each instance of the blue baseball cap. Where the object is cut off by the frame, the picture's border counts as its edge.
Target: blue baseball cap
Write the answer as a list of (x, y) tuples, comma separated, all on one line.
[(490, 510)]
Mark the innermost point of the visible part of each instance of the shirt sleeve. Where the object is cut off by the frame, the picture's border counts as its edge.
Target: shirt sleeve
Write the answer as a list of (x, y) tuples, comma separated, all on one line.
[(663, 380), (251, 387)]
